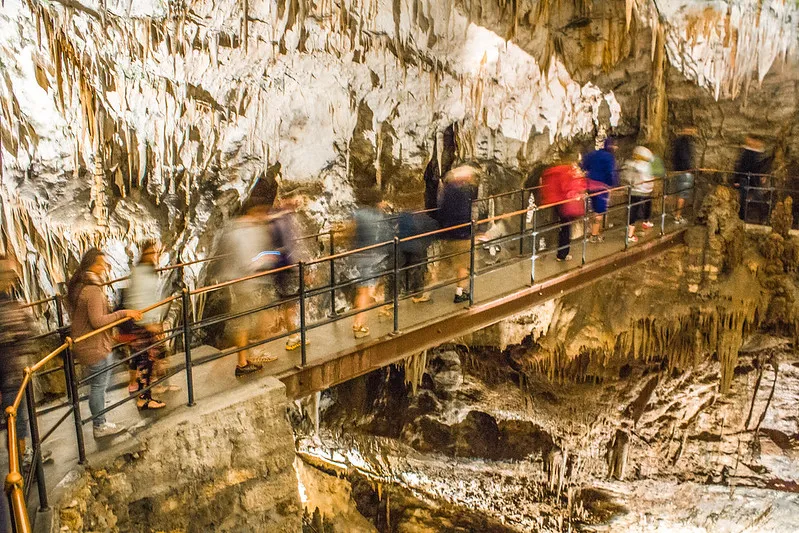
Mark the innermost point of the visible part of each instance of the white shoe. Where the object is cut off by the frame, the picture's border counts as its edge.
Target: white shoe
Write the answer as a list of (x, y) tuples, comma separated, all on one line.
[(107, 429)]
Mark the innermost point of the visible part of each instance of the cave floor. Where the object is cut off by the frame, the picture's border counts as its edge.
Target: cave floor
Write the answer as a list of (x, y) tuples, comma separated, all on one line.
[(217, 377)]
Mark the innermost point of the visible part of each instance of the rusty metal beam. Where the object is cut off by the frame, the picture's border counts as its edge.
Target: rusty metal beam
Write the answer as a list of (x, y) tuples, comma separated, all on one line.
[(346, 365)]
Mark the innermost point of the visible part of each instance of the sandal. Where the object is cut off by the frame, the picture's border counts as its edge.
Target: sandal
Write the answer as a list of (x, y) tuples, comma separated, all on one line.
[(149, 403), (360, 331)]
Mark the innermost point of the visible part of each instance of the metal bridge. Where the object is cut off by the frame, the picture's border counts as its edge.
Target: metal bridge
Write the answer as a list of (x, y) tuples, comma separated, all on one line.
[(521, 274)]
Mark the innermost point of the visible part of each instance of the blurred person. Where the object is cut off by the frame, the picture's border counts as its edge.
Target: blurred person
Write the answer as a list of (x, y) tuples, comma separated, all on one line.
[(16, 352), (750, 171), (371, 227), (413, 254), (637, 174), (455, 209), (247, 239), (600, 167), (89, 310), (683, 161), (565, 183), (141, 293), (284, 231), (16, 349)]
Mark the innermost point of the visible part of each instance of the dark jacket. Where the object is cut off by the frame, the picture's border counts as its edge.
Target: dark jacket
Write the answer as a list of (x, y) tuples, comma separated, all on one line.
[(410, 224), (456, 208), (15, 345), (600, 165), (682, 154)]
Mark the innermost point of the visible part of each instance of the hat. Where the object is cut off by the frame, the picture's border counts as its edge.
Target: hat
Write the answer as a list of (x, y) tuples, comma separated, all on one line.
[(643, 153)]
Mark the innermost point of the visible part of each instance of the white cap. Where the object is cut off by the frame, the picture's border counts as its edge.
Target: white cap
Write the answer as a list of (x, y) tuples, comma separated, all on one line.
[(643, 153)]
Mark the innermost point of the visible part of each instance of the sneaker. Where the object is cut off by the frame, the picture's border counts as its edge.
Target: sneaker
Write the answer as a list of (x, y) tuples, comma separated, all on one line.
[(680, 220), (424, 297), (647, 225), (387, 311), (249, 368), (564, 259), (462, 297), (596, 239), (632, 238), (294, 342), (107, 429)]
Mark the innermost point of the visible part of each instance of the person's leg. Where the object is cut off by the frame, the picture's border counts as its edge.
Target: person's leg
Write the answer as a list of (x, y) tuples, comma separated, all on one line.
[(564, 238), (97, 386)]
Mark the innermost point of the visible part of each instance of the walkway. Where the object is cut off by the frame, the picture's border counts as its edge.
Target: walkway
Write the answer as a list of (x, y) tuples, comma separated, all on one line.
[(334, 356)]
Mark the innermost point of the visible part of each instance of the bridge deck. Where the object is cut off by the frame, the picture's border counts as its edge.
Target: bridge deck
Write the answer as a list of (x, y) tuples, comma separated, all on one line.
[(334, 356)]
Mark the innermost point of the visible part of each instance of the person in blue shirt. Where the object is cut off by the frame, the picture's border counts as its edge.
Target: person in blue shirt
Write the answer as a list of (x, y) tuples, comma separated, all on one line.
[(600, 168)]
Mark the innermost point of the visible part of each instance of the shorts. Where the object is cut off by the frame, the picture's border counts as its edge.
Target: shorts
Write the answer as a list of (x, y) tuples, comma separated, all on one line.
[(682, 185), (371, 266), (245, 296), (599, 203), (287, 283), (461, 247)]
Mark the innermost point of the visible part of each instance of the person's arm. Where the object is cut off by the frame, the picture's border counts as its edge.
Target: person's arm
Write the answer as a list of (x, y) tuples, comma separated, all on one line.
[(96, 308)]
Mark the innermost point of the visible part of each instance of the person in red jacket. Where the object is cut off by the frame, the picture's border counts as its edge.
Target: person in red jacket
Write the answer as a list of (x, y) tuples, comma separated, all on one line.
[(564, 184)]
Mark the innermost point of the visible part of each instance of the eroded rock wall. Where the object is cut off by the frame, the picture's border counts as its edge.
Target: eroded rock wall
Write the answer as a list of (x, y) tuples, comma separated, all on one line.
[(225, 464), (124, 120)]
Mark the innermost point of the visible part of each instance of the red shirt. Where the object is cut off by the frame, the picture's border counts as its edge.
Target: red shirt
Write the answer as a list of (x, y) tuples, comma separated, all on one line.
[(564, 182)]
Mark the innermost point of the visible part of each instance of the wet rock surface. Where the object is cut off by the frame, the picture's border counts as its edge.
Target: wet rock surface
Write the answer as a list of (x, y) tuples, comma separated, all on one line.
[(669, 432)]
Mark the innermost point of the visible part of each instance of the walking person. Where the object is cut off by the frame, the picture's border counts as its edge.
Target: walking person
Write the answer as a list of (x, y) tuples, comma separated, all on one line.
[(16, 351), (413, 254), (89, 310), (371, 227), (600, 167), (683, 161), (248, 241), (455, 210), (637, 174), (564, 184), (141, 293), (283, 228), (750, 173)]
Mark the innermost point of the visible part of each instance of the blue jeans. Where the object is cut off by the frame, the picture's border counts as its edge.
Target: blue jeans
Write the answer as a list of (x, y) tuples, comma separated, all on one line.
[(97, 386)]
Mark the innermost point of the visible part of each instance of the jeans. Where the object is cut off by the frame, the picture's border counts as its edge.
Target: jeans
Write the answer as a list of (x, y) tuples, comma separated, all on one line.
[(97, 387)]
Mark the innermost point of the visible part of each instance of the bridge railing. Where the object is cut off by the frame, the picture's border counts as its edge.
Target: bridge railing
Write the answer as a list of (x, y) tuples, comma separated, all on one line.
[(533, 222)]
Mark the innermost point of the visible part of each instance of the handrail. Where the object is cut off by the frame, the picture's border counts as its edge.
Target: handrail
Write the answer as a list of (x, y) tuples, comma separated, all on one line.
[(14, 479)]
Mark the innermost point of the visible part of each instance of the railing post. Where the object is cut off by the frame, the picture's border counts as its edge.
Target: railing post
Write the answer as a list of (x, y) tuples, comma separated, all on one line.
[(585, 227), (627, 227), (522, 225), (73, 386), (332, 277), (186, 301), (41, 483), (746, 197), (770, 201), (473, 233), (59, 317), (663, 206), (303, 350), (395, 288), (535, 244)]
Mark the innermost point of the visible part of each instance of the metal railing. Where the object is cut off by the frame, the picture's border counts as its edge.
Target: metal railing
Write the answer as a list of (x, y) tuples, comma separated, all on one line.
[(535, 222)]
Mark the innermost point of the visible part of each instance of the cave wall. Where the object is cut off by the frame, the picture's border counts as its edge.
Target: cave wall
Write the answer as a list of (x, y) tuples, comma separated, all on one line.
[(226, 464), (125, 120)]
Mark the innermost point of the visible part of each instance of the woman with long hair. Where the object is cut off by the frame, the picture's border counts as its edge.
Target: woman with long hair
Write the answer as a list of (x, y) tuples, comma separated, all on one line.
[(89, 310)]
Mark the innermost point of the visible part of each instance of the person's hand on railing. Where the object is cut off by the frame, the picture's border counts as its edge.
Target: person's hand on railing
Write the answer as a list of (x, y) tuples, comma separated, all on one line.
[(132, 313)]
